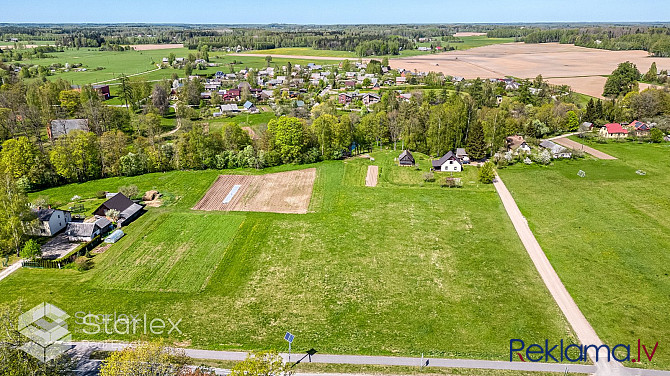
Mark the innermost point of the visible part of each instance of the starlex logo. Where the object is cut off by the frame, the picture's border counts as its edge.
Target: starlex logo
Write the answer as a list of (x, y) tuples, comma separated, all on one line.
[(576, 353), (46, 327)]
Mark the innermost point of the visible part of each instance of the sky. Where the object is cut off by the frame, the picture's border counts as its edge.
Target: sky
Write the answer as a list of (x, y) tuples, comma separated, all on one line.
[(332, 11)]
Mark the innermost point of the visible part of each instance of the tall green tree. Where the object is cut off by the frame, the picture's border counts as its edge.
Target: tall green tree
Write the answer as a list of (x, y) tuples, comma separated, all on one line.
[(288, 137), (622, 81), (15, 215), (476, 144)]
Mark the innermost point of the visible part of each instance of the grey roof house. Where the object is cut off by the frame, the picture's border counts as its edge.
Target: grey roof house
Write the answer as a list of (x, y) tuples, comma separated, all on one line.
[(406, 158), (62, 127), (448, 162), (128, 209), (556, 150)]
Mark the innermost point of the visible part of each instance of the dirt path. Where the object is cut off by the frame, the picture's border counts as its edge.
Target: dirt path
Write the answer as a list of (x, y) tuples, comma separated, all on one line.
[(10, 269), (568, 143), (371, 178), (576, 319)]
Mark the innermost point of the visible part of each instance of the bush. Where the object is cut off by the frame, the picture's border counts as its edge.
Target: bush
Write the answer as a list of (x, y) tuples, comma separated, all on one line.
[(83, 263), (100, 194), (31, 250), (129, 191), (428, 177), (487, 173)]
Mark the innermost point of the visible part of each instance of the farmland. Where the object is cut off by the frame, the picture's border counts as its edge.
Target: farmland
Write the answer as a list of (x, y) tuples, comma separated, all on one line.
[(606, 235), (404, 268)]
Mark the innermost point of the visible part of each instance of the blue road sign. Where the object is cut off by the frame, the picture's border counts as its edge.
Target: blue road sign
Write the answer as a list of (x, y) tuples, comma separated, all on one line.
[(289, 337)]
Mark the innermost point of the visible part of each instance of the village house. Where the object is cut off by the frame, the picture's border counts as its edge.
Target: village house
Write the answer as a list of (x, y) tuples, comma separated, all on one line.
[(50, 221), (640, 129), (406, 158), (517, 143), (556, 150), (87, 231), (613, 130), (448, 162), (102, 90), (229, 108), (462, 155), (128, 209), (63, 127), (370, 99), (250, 107)]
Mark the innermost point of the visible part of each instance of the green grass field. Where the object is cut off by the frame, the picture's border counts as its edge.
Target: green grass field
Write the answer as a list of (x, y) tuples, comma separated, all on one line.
[(479, 41), (303, 51), (607, 236), (404, 268)]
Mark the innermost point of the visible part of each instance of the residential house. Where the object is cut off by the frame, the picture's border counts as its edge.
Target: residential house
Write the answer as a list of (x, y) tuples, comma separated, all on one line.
[(62, 127), (586, 127), (448, 162), (250, 107), (128, 209), (406, 158), (102, 90), (370, 99), (400, 80), (86, 231), (350, 84), (229, 108), (556, 150), (517, 143), (462, 155), (640, 129), (613, 130), (232, 95), (50, 221), (346, 98)]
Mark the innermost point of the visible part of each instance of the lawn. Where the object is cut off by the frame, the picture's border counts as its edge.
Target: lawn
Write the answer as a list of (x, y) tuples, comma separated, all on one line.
[(244, 120), (404, 268), (607, 236)]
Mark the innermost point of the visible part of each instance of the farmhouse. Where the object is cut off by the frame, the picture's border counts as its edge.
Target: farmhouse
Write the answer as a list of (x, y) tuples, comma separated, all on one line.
[(556, 150), (128, 209), (406, 158), (640, 129), (50, 221), (449, 162), (86, 231), (613, 130), (62, 127), (517, 143)]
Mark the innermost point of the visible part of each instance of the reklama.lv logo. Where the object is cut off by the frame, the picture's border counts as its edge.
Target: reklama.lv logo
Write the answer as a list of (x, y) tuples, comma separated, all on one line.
[(576, 353)]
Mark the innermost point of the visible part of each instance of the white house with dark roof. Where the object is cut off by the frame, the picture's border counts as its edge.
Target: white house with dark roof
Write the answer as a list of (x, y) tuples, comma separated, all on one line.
[(448, 162), (50, 221), (86, 231)]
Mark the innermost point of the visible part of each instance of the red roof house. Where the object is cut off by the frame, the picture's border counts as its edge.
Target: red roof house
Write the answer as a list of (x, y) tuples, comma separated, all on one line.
[(613, 130)]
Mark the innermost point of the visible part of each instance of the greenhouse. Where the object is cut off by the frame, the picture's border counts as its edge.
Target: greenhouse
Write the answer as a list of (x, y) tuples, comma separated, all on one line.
[(114, 237)]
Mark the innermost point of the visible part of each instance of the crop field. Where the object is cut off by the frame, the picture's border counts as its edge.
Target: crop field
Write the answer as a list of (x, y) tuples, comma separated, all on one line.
[(281, 192), (405, 268), (303, 51), (607, 236)]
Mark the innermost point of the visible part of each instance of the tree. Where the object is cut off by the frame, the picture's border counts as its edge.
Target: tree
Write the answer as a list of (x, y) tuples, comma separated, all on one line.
[(652, 73), (14, 361), (17, 156), (622, 80), (70, 100), (171, 58), (113, 214), (234, 137), (262, 364), (487, 173), (15, 214), (572, 122), (153, 359), (159, 99), (76, 156), (31, 250), (129, 191), (288, 137), (323, 130), (268, 60), (188, 69), (476, 143), (113, 146), (656, 135)]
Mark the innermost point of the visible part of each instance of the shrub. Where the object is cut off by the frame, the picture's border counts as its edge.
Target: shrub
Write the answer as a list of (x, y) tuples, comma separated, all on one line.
[(428, 177), (83, 263), (100, 194), (487, 173), (31, 250), (129, 191)]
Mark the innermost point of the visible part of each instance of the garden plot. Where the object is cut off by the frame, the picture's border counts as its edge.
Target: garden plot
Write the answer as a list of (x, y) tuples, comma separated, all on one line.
[(284, 192)]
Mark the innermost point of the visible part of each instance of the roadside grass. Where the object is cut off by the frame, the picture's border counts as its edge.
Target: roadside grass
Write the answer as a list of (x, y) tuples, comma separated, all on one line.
[(606, 235), (391, 270)]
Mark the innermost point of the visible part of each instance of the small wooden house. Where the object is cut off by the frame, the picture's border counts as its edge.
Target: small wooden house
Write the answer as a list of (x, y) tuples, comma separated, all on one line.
[(406, 158)]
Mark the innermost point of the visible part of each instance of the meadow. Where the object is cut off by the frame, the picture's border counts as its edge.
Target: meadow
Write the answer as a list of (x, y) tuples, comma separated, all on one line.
[(607, 236), (404, 268)]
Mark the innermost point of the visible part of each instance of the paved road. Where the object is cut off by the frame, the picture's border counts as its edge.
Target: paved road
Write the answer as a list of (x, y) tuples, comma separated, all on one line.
[(576, 319), (11, 269), (568, 143)]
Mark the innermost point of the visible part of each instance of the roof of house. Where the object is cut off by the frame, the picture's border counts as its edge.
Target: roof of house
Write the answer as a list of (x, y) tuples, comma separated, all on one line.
[(461, 152), (449, 156), (639, 125), (229, 107), (614, 128), (44, 215), (86, 229), (62, 127), (248, 105), (514, 142), (406, 154), (547, 144)]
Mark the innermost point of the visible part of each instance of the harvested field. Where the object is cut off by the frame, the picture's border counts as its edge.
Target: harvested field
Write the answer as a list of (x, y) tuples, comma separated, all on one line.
[(151, 47), (284, 192), (373, 175), (582, 68), (468, 34)]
